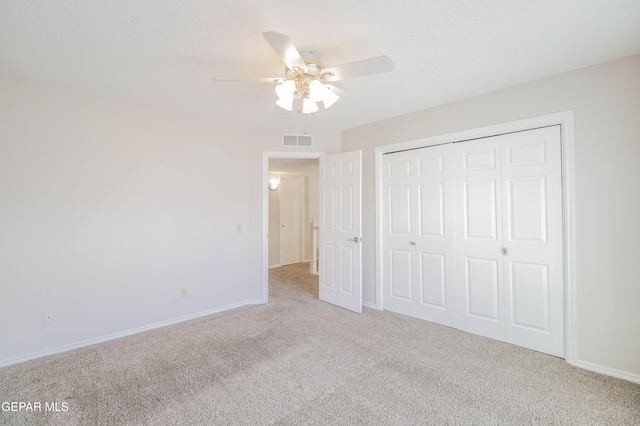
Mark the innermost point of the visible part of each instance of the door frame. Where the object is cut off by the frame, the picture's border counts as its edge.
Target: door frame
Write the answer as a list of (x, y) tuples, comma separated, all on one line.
[(565, 120), (266, 155)]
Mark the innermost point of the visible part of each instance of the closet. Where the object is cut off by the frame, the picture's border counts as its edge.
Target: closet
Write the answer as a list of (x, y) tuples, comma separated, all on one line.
[(473, 236)]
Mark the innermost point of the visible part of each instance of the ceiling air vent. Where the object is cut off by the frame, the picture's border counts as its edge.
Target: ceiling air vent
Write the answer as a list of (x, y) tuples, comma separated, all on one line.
[(303, 141)]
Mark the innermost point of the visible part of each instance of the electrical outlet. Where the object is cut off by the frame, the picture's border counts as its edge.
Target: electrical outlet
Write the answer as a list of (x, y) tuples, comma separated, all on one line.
[(47, 318), (183, 292)]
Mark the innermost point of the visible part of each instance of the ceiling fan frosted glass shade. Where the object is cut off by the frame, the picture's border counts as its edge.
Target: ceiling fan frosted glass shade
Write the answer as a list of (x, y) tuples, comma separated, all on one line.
[(316, 91), (286, 92), (308, 106), (285, 103), (286, 89), (329, 98)]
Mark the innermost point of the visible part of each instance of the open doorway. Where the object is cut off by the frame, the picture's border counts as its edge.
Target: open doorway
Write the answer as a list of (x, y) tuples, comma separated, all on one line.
[(290, 211), (293, 210)]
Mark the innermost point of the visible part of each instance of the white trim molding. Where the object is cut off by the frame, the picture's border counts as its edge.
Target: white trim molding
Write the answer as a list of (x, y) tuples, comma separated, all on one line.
[(114, 336), (369, 305), (625, 375), (565, 120)]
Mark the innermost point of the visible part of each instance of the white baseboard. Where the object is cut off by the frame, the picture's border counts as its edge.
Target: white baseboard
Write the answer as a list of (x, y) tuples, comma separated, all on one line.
[(625, 375), (370, 305), (274, 266), (89, 342)]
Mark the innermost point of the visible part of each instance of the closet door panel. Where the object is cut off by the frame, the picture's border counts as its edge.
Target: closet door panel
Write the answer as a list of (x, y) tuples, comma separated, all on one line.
[(532, 207), (398, 224), (433, 187), (480, 209), (526, 211), (478, 200), (401, 272), (433, 286), (481, 285), (400, 210), (529, 296), (418, 239), (431, 210), (473, 237)]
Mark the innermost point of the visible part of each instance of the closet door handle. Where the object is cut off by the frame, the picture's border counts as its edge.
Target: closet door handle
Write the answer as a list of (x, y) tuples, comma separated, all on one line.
[(505, 251), (354, 239), (413, 243)]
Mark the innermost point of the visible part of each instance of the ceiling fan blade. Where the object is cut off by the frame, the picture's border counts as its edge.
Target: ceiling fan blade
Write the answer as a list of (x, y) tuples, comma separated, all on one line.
[(376, 65), (284, 47), (249, 80)]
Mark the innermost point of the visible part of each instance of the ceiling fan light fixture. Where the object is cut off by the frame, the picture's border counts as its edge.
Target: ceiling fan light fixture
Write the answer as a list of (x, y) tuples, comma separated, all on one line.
[(286, 92), (318, 92), (285, 103), (286, 89), (329, 98), (305, 75), (308, 106)]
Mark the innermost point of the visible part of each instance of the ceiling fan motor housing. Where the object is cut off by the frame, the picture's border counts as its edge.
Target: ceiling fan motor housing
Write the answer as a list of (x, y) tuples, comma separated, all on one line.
[(303, 77)]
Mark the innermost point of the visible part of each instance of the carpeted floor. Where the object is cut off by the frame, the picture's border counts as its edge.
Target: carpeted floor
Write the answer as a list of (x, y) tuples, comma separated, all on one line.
[(299, 361)]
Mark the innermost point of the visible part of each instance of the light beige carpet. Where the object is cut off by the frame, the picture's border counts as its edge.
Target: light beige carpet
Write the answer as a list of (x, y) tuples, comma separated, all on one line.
[(299, 361)]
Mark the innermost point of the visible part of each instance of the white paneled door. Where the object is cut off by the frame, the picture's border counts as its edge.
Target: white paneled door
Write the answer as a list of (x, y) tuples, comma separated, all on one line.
[(509, 238), (495, 244), (340, 230), (418, 243), (478, 224)]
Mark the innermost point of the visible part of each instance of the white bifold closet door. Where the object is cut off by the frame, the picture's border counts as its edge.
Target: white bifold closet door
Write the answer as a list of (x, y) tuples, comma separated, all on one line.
[(419, 243), (499, 210)]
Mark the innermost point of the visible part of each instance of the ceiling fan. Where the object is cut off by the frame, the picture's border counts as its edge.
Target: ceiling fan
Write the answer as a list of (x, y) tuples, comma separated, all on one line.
[(304, 75)]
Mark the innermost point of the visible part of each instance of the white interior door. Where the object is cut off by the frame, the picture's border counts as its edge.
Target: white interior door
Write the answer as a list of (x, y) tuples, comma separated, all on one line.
[(473, 237), (478, 200), (340, 228), (418, 240), (532, 238), (290, 196), (509, 238)]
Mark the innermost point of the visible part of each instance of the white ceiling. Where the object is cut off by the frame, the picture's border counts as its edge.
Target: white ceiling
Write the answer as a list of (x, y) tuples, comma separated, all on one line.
[(166, 52)]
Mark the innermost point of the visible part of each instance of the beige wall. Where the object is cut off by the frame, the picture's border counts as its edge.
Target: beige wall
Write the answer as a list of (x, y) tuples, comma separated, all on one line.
[(606, 102), (109, 208)]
